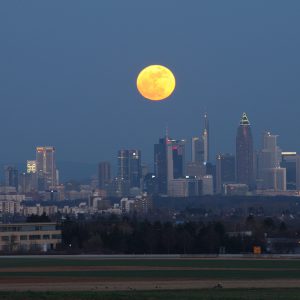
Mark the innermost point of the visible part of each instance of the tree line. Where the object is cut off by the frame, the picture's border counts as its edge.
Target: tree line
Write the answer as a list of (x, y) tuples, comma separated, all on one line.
[(116, 235)]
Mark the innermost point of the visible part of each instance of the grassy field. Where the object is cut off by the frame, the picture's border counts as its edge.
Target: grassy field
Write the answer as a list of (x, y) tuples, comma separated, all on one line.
[(162, 274), (222, 294), (132, 278), (177, 268), (191, 263)]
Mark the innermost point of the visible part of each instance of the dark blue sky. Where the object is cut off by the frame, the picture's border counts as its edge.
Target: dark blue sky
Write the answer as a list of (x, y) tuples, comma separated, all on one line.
[(68, 71)]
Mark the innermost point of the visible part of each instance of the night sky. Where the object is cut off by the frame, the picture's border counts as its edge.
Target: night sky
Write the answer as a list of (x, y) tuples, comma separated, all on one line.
[(68, 72)]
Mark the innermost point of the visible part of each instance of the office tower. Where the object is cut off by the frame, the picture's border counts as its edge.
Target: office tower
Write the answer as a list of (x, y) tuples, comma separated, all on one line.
[(244, 152), (27, 182), (178, 156), (270, 153), (289, 162), (169, 162), (197, 150), (45, 167), (195, 169), (135, 168), (185, 187), (144, 170), (150, 185), (129, 167), (205, 139), (225, 170), (207, 185), (277, 179), (11, 177), (161, 165), (271, 176), (31, 166), (104, 175)]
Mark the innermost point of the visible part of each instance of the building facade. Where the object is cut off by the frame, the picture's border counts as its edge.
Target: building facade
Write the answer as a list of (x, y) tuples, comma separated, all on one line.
[(225, 170), (11, 177), (29, 237), (129, 167), (46, 167), (205, 139), (244, 153), (270, 174), (104, 175)]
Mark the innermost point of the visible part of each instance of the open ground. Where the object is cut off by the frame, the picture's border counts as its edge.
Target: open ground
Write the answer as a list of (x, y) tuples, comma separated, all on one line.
[(119, 277)]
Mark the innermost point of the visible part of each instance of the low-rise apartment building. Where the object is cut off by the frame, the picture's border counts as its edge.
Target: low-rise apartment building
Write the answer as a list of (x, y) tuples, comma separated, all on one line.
[(29, 237)]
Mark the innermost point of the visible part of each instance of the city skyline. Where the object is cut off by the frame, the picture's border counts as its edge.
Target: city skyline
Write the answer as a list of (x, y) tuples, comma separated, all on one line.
[(189, 154)]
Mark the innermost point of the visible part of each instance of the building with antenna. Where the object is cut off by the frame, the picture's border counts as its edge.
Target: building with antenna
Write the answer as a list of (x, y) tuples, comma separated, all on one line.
[(205, 139)]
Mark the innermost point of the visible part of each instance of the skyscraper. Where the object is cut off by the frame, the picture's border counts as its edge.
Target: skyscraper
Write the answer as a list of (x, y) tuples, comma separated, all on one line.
[(29, 181), (129, 167), (244, 152), (46, 167), (225, 170), (178, 157), (289, 162), (197, 150), (169, 162), (104, 174), (270, 175), (161, 165), (11, 177), (31, 166), (205, 139)]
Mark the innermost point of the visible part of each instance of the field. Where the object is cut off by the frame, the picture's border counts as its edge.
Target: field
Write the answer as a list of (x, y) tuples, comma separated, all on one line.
[(96, 277), (225, 294)]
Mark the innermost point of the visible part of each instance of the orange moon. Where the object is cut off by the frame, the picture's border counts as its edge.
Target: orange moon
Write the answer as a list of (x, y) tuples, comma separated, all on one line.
[(156, 82)]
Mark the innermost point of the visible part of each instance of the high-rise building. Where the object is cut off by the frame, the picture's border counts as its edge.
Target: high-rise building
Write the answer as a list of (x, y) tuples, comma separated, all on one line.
[(289, 162), (178, 156), (185, 187), (169, 162), (244, 153), (11, 177), (46, 167), (270, 174), (225, 171), (207, 185), (197, 150), (104, 175), (277, 179), (31, 166), (161, 165), (27, 182), (205, 138), (129, 167), (195, 169)]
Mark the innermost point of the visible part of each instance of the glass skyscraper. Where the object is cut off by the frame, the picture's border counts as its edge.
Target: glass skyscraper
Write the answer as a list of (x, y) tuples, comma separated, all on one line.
[(244, 152)]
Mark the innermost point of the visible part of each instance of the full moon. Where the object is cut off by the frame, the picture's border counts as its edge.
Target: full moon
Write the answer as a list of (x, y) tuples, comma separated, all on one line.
[(156, 82)]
